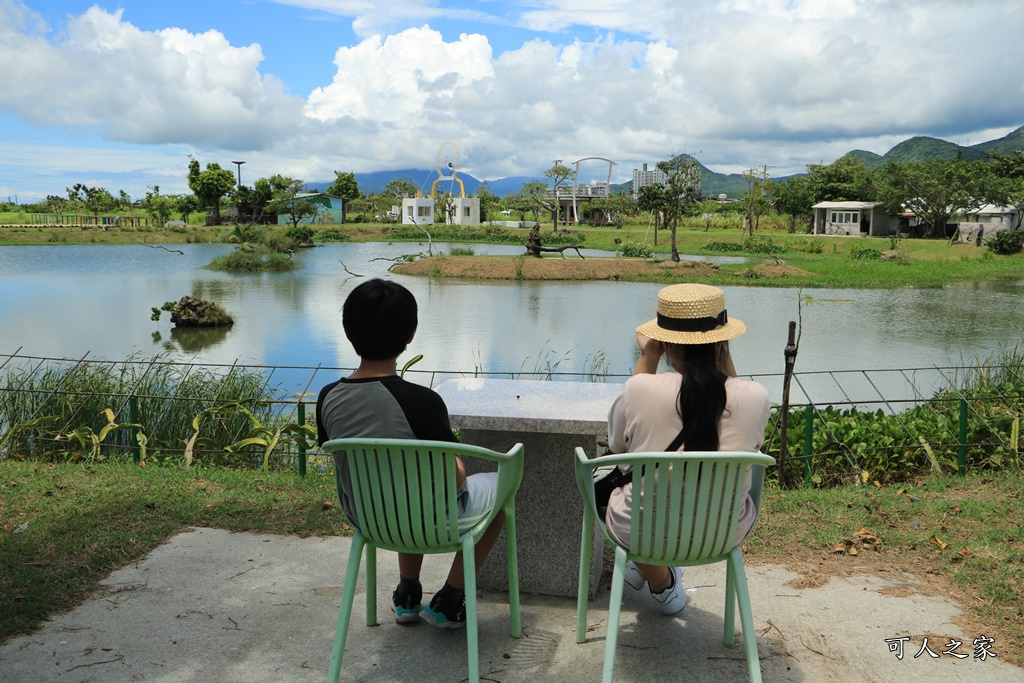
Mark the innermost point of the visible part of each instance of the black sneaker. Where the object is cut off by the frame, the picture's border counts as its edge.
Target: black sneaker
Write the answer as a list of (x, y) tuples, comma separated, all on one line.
[(406, 608), (454, 617)]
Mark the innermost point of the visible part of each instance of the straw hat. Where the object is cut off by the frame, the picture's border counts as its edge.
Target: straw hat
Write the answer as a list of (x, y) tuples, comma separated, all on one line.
[(692, 314)]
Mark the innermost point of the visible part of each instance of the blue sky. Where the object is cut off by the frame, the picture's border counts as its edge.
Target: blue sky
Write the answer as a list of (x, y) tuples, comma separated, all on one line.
[(118, 93)]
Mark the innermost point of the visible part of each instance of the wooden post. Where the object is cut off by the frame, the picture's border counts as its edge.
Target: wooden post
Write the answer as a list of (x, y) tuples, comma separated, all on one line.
[(790, 354)]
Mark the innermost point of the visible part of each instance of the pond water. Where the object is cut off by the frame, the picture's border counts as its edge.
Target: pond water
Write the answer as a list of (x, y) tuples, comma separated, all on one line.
[(70, 301)]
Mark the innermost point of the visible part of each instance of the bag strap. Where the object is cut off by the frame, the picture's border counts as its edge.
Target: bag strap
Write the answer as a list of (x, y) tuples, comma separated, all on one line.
[(676, 442)]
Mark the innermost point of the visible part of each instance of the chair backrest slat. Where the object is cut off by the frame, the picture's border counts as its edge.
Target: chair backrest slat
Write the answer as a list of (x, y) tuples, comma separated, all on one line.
[(686, 507), (403, 490)]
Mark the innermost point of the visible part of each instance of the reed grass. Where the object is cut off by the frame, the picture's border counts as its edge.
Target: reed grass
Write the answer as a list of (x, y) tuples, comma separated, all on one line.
[(164, 398)]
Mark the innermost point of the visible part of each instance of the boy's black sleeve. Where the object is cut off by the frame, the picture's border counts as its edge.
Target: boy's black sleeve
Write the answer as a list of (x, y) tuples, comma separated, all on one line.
[(424, 409)]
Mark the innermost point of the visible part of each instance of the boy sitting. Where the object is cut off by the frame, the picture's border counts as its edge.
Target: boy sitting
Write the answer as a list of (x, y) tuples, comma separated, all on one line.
[(379, 318)]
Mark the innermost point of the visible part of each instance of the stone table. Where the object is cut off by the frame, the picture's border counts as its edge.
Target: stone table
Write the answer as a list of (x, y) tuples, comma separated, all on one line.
[(550, 419)]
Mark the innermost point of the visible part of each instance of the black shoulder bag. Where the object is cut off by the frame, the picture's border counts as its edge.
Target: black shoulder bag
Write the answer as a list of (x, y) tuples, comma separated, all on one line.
[(609, 478)]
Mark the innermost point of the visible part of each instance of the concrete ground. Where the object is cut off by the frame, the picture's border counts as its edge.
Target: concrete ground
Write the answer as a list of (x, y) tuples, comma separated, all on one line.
[(212, 605)]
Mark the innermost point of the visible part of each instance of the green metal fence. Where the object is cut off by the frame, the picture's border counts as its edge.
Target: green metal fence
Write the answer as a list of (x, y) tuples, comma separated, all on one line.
[(885, 423)]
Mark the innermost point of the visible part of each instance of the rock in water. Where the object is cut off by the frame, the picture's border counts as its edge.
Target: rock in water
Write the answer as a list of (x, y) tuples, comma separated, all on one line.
[(192, 311)]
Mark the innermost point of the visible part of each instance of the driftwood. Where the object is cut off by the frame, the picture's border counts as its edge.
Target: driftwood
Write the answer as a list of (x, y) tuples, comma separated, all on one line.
[(347, 270), (160, 246), (534, 247), (535, 250)]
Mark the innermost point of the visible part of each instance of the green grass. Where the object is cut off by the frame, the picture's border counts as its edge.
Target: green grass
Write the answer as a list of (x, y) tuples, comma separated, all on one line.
[(65, 527)]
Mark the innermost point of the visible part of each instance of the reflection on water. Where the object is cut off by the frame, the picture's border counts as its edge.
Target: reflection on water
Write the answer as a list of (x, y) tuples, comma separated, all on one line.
[(193, 340), (67, 301)]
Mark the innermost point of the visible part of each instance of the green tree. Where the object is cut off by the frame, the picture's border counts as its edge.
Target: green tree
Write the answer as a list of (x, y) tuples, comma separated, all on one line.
[(400, 189), (186, 204), (1004, 185), (287, 201), (157, 206), (345, 186), (209, 186), (933, 190), (669, 200), (95, 200), (55, 204), (707, 209), (755, 202), (844, 180), (793, 197), (488, 201), (558, 174)]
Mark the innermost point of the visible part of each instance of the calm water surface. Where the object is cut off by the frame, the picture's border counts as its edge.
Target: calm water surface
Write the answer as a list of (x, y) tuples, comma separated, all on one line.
[(69, 301)]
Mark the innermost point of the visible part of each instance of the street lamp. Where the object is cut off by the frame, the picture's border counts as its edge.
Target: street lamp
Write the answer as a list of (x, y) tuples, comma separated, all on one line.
[(239, 164)]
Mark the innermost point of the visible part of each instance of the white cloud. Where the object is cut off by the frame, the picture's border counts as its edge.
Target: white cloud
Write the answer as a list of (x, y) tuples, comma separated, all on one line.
[(745, 82), (143, 87)]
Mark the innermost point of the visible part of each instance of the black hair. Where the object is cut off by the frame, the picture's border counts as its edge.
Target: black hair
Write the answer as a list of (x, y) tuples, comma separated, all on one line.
[(379, 317), (701, 396)]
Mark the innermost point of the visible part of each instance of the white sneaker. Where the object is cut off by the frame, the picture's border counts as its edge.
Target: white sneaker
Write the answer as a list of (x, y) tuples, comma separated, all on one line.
[(635, 579), (673, 598)]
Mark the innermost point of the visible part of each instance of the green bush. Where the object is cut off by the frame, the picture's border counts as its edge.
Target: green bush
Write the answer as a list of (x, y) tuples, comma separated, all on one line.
[(637, 250), (865, 254), (1006, 242), (461, 251), (722, 247), (807, 246), (255, 261), (762, 244), (331, 235), (300, 233)]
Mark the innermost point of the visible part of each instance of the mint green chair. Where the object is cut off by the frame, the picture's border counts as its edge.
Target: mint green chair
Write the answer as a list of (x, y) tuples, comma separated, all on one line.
[(686, 515), (405, 500)]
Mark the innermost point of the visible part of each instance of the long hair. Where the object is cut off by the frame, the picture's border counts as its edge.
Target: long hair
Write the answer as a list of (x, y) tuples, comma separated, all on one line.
[(701, 396)]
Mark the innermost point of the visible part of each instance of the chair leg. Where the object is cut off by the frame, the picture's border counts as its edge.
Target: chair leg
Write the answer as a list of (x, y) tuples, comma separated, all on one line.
[(746, 615), (472, 635), (345, 607), (729, 634), (512, 558), (371, 584), (583, 588), (614, 612)]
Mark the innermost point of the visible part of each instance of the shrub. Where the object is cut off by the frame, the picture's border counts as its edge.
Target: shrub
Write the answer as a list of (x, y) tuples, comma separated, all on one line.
[(1006, 242), (725, 247), (865, 254), (762, 244), (637, 250), (808, 246), (331, 235), (461, 251), (300, 233)]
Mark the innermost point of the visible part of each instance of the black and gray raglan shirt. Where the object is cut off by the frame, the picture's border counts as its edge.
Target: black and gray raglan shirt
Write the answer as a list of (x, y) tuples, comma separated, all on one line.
[(379, 408)]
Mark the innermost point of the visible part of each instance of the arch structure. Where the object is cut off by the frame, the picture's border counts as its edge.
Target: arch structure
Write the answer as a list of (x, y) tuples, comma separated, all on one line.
[(576, 181)]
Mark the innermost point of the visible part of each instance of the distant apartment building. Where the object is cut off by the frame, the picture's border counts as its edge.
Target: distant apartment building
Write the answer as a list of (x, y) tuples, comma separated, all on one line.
[(655, 176), (645, 178)]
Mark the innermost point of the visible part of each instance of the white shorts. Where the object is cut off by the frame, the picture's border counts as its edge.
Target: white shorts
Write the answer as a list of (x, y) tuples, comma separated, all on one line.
[(476, 499)]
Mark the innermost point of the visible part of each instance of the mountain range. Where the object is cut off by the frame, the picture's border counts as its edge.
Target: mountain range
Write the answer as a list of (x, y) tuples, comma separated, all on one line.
[(915, 149)]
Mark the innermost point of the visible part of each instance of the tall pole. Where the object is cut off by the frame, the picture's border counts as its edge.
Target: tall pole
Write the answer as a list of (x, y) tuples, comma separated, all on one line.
[(239, 164)]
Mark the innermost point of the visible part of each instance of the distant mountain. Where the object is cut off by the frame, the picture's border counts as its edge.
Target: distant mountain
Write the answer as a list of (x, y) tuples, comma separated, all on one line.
[(915, 149), (1009, 143), (923, 148), (869, 158)]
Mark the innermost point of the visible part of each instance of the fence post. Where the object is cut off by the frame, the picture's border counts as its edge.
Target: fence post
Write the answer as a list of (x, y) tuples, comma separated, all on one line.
[(133, 417), (808, 442), (302, 449), (962, 455)]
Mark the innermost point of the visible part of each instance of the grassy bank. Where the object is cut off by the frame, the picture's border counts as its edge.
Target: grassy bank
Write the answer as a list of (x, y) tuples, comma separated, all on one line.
[(65, 527), (807, 261)]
